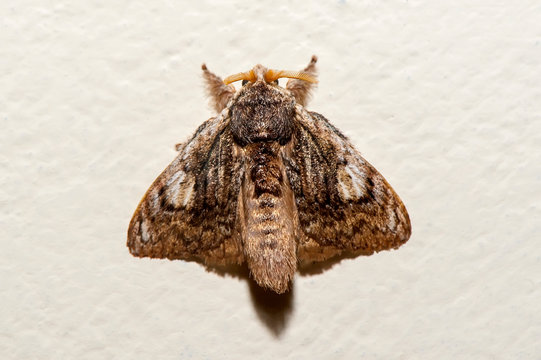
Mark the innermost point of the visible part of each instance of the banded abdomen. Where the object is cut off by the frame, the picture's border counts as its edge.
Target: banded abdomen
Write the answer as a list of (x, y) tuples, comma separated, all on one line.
[(268, 231)]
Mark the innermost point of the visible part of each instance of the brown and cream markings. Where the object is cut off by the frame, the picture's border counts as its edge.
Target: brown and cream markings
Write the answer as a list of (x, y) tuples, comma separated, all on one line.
[(267, 182)]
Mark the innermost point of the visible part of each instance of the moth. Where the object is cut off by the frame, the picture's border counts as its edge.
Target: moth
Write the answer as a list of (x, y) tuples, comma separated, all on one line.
[(269, 183)]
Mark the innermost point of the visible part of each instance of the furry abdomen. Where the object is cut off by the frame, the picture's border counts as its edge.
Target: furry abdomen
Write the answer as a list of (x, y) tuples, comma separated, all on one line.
[(269, 218)]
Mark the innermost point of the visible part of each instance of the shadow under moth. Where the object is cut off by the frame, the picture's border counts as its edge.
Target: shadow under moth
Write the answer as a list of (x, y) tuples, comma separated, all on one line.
[(269, 183)]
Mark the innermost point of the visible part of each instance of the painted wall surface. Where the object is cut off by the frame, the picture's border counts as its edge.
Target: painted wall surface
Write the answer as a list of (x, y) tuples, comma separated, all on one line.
[(443, 97)]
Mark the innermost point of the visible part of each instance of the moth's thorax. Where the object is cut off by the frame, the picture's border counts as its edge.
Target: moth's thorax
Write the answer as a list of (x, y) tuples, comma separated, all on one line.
[(262, 113)]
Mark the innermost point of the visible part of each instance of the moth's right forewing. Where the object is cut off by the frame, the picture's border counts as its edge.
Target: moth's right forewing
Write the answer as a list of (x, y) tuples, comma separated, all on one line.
[(189, 212), (343, 202)]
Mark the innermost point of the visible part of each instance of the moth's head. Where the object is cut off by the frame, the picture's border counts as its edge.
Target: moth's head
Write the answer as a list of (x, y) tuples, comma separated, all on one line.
[(261, 79)]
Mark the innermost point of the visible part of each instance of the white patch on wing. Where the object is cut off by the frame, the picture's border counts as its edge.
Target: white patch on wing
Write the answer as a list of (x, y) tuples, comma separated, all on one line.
[(187, 195), (343, 144), (344, 190), (173, 185), (358, 179), (155, 202), (145, 236), (209, 130), (187, 149), (392, 220), (178, 175), (213, 124)]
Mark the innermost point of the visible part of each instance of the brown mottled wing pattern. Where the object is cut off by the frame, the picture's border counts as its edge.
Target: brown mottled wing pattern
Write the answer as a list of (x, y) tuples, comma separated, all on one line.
[(189, 212), (343, 203)]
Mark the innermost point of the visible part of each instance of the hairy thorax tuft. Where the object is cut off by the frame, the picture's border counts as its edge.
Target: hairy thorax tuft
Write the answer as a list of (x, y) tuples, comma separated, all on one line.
[(262, 113)]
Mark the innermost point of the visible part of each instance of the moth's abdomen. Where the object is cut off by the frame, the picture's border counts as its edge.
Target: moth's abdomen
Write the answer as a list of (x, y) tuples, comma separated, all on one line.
[(269, 225)]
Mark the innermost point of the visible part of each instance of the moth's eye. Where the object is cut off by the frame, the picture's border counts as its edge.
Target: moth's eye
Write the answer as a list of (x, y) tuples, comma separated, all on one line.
[(244, 82), (275, 82)]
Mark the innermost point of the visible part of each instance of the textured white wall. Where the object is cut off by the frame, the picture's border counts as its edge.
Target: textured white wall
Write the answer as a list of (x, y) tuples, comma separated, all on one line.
[(442, 97)]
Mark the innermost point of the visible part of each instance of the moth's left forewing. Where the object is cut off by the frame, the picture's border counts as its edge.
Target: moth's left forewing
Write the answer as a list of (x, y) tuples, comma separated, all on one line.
[(344, 203), (189, 212)]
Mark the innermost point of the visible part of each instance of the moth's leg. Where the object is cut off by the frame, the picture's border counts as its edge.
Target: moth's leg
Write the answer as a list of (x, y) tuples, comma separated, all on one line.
[(301, 89), (219, 92)]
